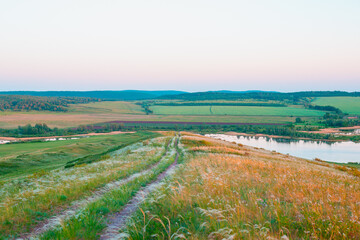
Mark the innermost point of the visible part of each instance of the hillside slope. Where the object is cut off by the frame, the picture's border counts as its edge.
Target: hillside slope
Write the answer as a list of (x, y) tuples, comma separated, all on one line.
[(106, 95), (229, 191), (262, 95), (185, 187)]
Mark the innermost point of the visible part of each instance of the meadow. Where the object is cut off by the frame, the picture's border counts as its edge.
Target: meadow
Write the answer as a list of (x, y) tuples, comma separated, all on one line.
[(349, 105), (230, 191), (235, 110), (214, 190), (21, 159), (115, 107), (29, 203)]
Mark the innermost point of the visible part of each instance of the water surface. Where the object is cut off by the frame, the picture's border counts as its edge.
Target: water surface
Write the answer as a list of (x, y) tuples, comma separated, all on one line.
[(341, 152)]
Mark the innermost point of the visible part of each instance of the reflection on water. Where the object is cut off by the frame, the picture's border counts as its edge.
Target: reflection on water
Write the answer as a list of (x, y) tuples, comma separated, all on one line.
[(341, 152), (45, 139), (350, 132)]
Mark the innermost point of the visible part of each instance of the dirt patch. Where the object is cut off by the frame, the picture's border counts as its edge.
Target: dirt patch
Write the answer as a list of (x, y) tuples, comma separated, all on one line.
[(333, 130), (62, 120)]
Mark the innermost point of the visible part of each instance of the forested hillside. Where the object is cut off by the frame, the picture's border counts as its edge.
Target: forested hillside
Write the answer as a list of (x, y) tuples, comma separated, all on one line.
[(27, 103), (278, 96), (108, 95)]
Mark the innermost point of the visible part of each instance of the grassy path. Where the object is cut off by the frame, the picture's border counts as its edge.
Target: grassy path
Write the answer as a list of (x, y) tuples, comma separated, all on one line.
[(118, 220), (88, 221), (27, 206), (71, 211)]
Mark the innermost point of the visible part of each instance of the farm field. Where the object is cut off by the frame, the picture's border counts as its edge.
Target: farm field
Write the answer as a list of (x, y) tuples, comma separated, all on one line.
[(106, 111), (18, 160), (116, 107), (349, 105), (77, 114), (105, 107), (240, 102), (65, 120), (235, 110), (187, 187)]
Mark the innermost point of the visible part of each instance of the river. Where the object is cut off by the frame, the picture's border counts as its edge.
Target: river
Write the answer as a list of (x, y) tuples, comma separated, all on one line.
[(340, 152)]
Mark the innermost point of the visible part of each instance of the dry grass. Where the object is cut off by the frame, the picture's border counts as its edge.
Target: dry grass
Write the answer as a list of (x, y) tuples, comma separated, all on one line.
[(261, 195), (215, 149), (351, 170), (25, 202)]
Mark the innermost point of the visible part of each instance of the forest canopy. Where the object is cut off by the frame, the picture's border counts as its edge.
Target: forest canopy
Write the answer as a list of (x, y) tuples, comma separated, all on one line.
[(28, 103)]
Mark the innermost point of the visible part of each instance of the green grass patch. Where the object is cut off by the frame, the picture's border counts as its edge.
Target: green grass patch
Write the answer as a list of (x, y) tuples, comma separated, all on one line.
[(21, 159), (119, 107), (235, 110), (349, 105)]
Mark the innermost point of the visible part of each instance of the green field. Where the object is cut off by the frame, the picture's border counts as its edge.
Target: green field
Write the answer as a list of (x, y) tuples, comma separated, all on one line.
[(200, 189), (235, 110), (24, 158), (349, 105), (105, 107), (119, 107), (178, 187), (99, 112)]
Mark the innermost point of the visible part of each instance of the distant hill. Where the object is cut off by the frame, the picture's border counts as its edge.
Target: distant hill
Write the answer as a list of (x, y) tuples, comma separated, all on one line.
[(247, 91), (181, 95), (263, 95), (37, 103), (105, 95)]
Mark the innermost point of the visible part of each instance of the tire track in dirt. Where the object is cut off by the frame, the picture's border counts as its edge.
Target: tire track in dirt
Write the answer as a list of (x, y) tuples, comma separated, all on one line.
[(56, 220), (118, 220)]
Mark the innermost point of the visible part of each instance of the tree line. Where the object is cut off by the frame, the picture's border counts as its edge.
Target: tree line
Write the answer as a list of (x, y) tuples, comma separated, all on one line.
[(295, 97), (33, 103), (43, 130), (254, 104), (288, 131), (326, 108)]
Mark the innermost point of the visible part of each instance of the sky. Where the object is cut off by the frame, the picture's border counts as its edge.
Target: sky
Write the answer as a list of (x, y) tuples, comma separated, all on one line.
[(191, 45)]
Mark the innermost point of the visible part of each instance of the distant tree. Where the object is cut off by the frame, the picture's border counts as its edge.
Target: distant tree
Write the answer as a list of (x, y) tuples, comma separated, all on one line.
[(298, 120)]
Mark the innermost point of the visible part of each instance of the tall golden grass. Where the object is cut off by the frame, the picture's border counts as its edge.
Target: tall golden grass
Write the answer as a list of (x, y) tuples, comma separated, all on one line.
[(259, 195)]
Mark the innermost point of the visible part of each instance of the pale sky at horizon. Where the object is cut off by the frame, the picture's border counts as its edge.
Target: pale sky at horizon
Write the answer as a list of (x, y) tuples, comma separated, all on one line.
[(191, 45)]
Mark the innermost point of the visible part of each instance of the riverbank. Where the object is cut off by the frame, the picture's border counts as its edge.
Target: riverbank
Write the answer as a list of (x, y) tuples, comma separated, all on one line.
[(13, 139), (340, 152), (337, 138), (334, 130)]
